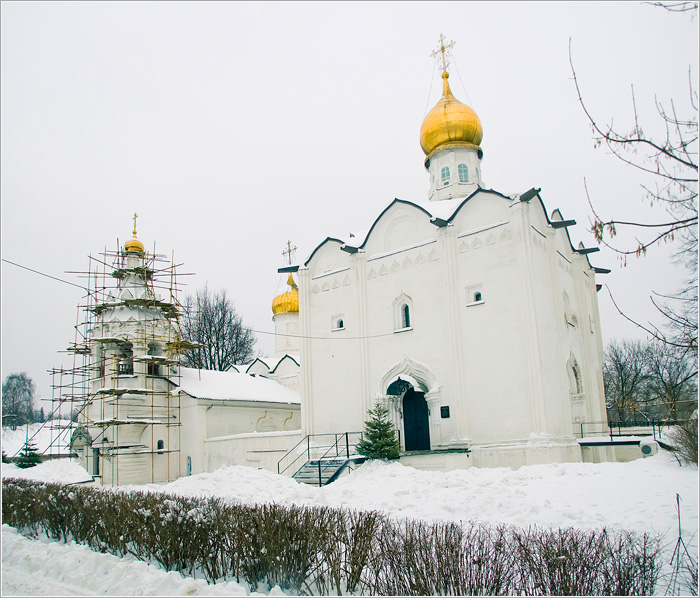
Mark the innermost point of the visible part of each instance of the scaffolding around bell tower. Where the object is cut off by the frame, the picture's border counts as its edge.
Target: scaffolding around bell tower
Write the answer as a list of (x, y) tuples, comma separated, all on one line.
[(120, 394)]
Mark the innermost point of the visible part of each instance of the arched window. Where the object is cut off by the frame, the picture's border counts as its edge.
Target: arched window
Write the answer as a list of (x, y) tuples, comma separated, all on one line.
[(338, 322), (463, 172), (445, 175), (575, 381), (160, 445), (477, 296), (405, 316)]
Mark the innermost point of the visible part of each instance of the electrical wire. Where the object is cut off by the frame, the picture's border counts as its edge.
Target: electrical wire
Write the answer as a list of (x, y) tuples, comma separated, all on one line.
[(323, 338), (47, 275)]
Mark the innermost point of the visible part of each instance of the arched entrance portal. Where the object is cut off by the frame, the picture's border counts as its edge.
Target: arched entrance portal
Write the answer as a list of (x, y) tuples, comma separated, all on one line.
[(416, 427)]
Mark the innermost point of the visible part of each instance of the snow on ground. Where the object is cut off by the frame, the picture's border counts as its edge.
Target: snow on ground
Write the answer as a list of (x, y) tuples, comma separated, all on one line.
[(49, 438), (46, 568), (63, 471), (639, 496)]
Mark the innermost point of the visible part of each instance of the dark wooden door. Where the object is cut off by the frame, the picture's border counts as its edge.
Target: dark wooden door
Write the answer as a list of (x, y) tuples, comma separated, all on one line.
[(415, 421)]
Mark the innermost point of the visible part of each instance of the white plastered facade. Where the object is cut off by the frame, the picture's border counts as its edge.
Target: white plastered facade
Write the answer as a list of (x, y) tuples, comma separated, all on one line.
[(503, 340)]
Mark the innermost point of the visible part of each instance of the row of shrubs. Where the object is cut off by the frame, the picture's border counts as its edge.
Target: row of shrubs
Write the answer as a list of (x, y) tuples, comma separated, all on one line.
[(324, 551)]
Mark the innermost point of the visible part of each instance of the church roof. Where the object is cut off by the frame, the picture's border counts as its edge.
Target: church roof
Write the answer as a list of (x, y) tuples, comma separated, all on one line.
[(446, 211), (232, 386)]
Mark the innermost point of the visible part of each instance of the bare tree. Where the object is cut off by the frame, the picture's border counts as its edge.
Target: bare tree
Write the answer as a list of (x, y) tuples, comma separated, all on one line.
[(626, 378), (211, 321), (653, 379), (670, 161), (672, 381), (17, 396)]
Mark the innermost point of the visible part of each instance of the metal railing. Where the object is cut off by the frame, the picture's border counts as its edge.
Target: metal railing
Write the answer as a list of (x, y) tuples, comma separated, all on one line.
[(342, 444), (620, 429)]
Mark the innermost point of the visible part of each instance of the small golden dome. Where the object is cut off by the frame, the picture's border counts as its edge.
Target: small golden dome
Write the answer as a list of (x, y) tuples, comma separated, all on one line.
[(450, 123), (134, 244), (287, 302)]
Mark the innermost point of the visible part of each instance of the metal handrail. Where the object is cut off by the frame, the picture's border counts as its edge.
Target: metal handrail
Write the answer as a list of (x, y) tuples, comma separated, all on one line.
[(618, 429), (309, 447)]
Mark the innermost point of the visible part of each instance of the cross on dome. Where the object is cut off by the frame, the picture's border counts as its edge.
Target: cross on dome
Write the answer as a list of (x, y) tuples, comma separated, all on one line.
[(443, 53), (134, 244), (287, 253)]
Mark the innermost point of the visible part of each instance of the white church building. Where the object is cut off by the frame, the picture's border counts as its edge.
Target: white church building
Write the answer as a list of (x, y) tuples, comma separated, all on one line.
[(471, 315)]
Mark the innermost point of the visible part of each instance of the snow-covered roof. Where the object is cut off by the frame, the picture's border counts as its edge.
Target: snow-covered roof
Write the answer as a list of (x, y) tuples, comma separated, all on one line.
[(232, 386)]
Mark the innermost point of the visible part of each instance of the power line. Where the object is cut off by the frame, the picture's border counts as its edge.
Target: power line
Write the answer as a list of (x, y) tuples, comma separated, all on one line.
[(321, 338), (43, 274)]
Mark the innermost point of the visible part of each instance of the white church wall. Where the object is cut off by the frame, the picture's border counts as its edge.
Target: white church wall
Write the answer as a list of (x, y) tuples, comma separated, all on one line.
[(287, 333), (192, 436), (487, 298), (327, 258), (262, 451), (401, 224), (211, 419)]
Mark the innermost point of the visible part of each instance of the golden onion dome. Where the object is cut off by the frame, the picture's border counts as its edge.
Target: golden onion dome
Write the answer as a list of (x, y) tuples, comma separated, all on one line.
[(287, 302), (450, 123)]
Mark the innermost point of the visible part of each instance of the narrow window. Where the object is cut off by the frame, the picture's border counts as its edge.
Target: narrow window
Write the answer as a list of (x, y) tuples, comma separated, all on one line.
[(95, 461), (126, 364), (463, 172), (160, 445), (405, 316), (477, 296), (339, 324), (445, 174)]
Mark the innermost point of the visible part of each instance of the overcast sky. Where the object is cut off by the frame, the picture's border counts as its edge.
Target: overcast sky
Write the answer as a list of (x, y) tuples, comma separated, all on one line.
[(233, 127)]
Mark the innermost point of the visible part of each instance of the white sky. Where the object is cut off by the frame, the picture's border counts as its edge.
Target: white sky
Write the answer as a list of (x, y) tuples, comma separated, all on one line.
[(232, 127)]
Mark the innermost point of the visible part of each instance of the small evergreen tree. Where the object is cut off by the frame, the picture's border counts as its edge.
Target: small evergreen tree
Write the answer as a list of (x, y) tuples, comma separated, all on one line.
[(380, 441), (28, 456), (5, 459)]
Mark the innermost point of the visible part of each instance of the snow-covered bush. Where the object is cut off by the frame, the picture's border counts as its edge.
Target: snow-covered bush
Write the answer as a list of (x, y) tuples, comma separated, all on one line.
[(325, 551)]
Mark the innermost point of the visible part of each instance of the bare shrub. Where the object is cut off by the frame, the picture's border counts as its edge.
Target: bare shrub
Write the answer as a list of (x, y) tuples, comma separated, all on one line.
[(684, 440)]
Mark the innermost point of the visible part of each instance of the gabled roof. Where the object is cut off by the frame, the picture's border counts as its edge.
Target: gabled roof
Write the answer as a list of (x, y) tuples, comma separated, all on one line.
[(257, 360), (286, 357), (447, 211), (232, 386), (391, 205)]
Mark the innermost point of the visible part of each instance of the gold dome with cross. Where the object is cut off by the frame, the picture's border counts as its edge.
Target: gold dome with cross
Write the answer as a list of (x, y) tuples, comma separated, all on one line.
[(134, 244), (450, 123), (287, 302)]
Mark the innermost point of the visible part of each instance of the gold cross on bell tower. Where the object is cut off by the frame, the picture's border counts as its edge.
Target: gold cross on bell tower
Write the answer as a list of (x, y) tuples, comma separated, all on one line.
[(135, 217), (287, 253), (442, 54)]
